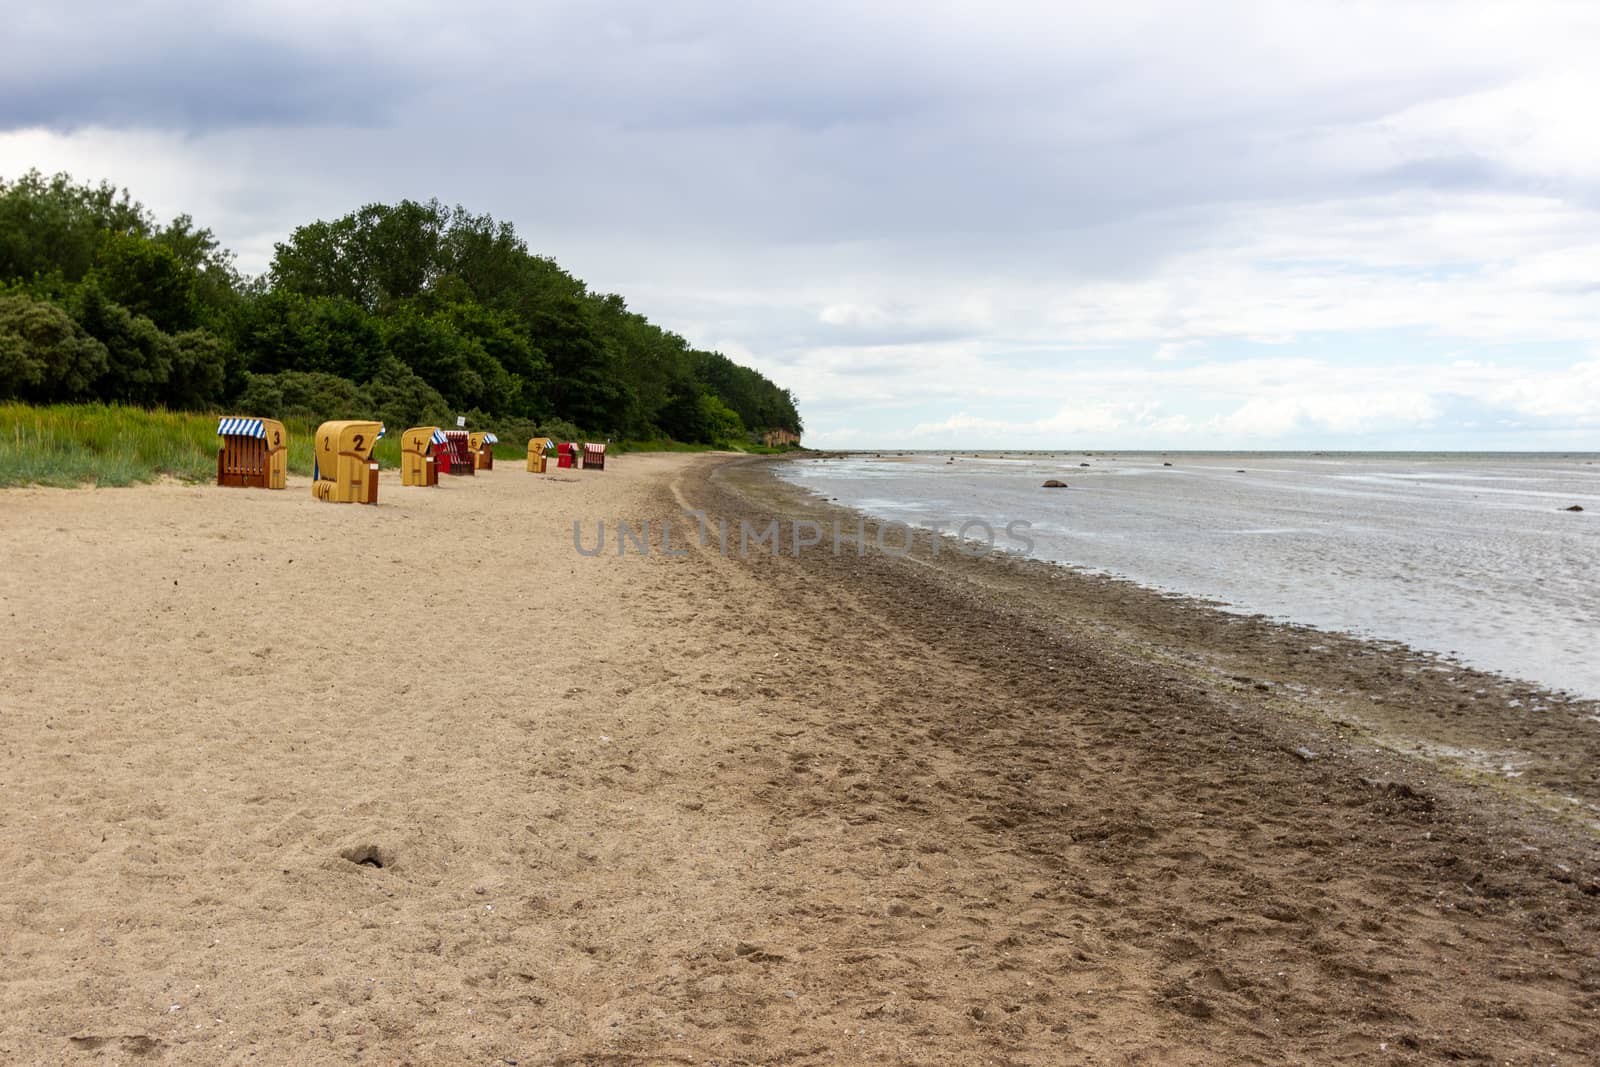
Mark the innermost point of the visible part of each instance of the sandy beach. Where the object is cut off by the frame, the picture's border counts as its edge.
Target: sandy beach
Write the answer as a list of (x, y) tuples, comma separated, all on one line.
[(283, 781)]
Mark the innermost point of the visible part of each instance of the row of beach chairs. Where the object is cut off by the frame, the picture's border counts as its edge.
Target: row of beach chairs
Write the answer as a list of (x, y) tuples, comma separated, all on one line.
[(255, 454)]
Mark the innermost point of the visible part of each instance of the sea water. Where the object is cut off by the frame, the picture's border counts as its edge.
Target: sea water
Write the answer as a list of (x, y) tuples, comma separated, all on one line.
[(1474, 556)]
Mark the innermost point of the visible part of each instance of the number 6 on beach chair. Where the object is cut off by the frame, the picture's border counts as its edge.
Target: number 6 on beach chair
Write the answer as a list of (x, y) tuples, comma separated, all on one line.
[(254, 453), (345, 471), (482, 445)]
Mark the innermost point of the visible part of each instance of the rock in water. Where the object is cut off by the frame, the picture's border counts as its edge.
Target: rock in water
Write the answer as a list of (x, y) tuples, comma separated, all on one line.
[(1053, 484), (1575, 507), (1166, 464)]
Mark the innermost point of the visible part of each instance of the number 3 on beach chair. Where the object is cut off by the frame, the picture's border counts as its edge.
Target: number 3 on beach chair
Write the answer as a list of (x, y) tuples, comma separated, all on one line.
[(345, 470), (254, 453)]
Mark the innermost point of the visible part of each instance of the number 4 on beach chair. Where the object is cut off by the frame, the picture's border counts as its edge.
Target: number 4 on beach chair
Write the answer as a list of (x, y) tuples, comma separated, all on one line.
[(420, 449)]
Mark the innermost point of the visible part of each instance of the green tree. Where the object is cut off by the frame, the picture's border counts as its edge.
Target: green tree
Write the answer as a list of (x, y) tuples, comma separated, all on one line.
[(435, 352), (54, 226), (722, 423), (148, 279), (44, 355), (139, 356), (199, 371), (310, 395), (402, 399), (412, 301)]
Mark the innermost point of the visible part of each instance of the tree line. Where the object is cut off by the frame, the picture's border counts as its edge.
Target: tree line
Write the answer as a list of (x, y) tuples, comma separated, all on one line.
[(411, 312)]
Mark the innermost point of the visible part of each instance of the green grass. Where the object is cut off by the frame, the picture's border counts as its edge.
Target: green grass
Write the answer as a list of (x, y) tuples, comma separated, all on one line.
[(658, 445), (71, 444), (669, 445), (111, 445)]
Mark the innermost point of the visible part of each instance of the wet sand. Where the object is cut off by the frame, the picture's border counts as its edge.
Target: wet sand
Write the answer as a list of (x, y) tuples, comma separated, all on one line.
[(725, 810)]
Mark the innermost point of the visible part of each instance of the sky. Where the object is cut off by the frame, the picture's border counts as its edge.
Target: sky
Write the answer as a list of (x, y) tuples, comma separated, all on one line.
[(1013, 225)]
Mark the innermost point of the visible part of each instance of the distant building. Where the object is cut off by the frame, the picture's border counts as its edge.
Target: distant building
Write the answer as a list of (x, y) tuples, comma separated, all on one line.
[(780, 438)]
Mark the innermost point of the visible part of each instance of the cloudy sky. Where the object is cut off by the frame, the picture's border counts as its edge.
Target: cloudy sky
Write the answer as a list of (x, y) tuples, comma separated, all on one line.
[(1254, 225)]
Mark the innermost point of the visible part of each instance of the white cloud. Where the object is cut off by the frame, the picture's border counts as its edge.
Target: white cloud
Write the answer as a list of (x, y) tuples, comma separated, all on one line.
[(1031, 219)]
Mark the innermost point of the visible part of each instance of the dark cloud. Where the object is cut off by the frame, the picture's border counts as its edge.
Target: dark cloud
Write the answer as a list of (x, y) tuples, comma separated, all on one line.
[(186, 68), (833, 185), (266, 84)]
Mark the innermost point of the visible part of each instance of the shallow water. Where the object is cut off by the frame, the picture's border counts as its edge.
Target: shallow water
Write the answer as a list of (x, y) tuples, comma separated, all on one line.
[(1464, 554)]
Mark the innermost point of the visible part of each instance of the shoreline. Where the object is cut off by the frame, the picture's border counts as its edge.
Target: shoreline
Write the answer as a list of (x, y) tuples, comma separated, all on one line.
[(711, 808), (1501, 575), (1454, 714)]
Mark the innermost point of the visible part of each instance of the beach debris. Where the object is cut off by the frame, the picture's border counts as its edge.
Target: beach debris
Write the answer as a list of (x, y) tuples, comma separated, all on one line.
[(1575, 507), (1054, 484), (755, 953), (367, 856), (1305, 753), (1399, 791)]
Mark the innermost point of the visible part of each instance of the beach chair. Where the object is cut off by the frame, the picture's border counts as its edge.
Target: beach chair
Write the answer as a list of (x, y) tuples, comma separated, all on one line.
[(419, 447), (594, 457), (460, 452), (537, 447), (567, 454), (254, 453), (344, 471), (482, 445)]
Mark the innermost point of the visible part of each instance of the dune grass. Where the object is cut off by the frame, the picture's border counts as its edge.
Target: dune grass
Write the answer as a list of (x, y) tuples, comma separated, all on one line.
[(659, 445), (110, 445), (73, 444)]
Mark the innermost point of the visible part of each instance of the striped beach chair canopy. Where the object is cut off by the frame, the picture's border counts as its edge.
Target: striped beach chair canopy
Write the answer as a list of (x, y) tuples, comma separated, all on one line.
[(381, 431), (438, 438), (490, 439), (241, 428)]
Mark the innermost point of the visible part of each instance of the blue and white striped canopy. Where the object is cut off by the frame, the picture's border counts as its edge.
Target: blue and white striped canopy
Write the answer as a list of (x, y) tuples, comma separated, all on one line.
[(490, 439), (381, 431), (241, 428), (439, 438)]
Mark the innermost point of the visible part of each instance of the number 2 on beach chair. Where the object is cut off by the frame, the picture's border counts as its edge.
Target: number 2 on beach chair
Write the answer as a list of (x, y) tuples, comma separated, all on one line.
[(345, 470)]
